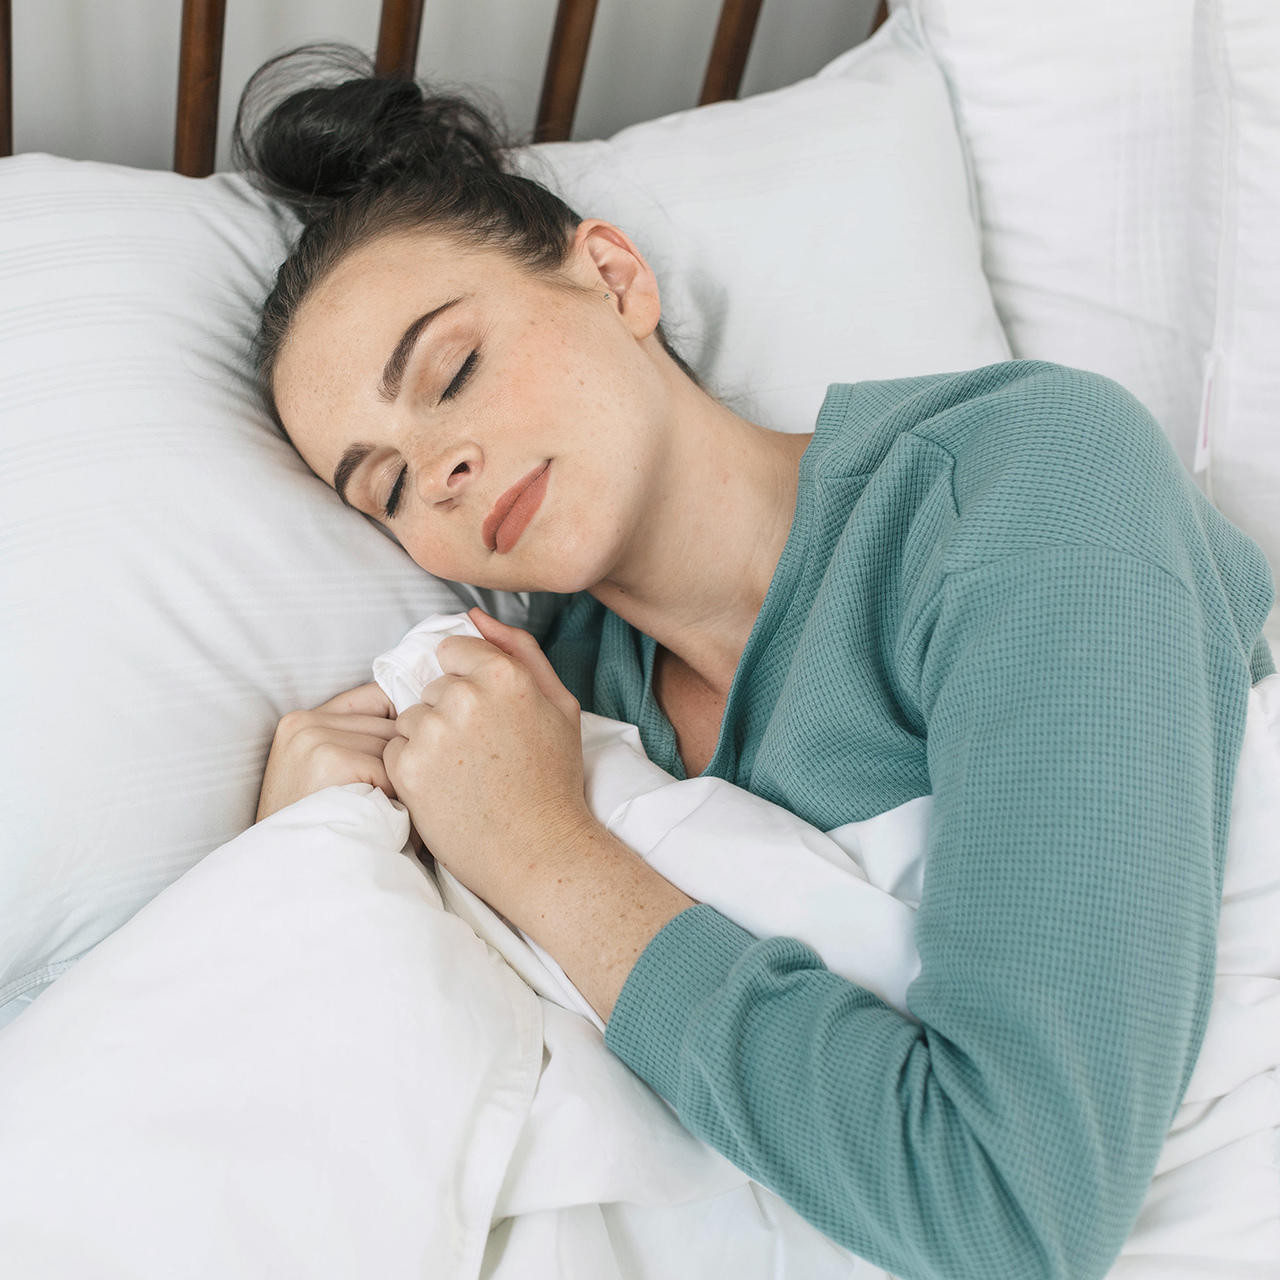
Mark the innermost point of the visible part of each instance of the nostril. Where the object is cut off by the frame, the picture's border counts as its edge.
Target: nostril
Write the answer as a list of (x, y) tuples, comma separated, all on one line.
[(461, 469)]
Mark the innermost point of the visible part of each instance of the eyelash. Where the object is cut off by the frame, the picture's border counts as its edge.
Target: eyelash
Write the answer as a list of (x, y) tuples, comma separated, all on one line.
[(459, 381), (393, 498)]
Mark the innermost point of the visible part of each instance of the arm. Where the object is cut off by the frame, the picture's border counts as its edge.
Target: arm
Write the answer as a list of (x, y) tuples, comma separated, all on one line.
[(1066, 935), (1081, 760)]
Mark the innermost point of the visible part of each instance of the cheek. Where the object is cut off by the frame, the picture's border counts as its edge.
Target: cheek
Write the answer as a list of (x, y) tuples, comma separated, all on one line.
[(437, 555), (574, 367)]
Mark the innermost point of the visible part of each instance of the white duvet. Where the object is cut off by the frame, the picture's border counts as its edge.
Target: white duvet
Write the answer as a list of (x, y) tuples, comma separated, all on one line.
[(312, 1057)]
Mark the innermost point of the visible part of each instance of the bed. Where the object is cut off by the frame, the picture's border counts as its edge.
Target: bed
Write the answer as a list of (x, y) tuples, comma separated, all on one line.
[(291, 1049)]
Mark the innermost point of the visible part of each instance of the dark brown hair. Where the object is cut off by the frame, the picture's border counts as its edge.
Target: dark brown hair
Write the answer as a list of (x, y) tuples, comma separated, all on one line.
[(358, 156)]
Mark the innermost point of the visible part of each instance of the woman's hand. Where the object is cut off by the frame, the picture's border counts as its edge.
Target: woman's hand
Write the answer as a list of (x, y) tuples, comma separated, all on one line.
[(489, 763), (340, 741)]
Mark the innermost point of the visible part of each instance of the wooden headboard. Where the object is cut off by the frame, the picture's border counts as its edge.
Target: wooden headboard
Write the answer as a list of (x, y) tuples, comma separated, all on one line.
[(399, 29)]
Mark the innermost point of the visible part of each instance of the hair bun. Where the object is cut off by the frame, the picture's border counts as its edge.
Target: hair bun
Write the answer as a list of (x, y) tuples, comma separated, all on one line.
[(315, 126)]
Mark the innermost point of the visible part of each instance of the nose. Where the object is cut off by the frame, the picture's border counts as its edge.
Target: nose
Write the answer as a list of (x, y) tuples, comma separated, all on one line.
[(448, 473)]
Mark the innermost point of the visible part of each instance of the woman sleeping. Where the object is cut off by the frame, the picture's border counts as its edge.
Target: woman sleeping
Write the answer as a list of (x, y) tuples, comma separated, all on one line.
[(998, 587)]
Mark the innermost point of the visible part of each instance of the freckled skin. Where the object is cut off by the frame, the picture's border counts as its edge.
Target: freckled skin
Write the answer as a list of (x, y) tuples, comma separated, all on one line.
[(661, 501), (562, 374), (670, 508)]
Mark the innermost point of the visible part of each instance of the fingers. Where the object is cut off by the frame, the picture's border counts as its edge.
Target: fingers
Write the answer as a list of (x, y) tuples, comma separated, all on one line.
[(464, 658), (336, 740), (462, 655), (334, 754), (508, 639), (521, 646), (391, 754), (406, 725), (374, 726), (315, 757), (366, 699)]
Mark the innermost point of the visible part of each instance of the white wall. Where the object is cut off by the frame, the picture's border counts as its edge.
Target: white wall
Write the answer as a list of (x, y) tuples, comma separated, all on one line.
[(97, 79)]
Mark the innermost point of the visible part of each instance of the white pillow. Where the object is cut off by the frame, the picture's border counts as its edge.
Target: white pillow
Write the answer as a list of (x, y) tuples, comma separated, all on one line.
[(1238, 49), (821, 233), (1077, 119), (1125, 164), (175, 579)]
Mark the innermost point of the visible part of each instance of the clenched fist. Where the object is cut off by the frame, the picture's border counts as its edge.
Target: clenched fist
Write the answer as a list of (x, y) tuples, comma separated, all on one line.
[(489, 763), (340, 741)]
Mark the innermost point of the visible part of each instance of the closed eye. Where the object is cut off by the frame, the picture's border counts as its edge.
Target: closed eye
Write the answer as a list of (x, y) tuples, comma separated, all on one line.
[(393, 498), (460, 378), (459, 381)]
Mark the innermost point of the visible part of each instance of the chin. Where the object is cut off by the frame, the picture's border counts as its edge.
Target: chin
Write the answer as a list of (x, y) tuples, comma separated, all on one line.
[(554, 562), (558, 577)]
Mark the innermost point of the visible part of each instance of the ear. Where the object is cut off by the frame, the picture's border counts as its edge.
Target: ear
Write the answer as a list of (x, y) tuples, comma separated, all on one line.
[(603, 256)]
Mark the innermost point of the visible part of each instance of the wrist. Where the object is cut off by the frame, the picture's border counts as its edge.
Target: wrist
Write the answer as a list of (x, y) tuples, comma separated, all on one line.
[(594, 905), (564, 833)]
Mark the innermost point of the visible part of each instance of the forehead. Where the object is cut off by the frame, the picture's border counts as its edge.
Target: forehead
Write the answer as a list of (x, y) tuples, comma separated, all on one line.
[(346, 327)]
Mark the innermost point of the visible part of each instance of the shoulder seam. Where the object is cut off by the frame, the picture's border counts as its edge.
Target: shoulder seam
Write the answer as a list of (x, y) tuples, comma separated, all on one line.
[(951, 474), (1058, 547)]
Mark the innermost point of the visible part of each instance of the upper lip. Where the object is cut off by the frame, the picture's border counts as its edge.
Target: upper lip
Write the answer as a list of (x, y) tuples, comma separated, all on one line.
[(489, 530)]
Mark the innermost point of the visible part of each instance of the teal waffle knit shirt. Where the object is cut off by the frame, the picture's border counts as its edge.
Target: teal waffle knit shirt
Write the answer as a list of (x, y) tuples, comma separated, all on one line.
[(1000, 587)]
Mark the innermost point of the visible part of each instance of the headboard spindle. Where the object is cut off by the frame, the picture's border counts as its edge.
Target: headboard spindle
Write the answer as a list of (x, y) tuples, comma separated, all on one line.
[(729, 52), (195, 132), (6, 79), (566, 62), (399, 30)]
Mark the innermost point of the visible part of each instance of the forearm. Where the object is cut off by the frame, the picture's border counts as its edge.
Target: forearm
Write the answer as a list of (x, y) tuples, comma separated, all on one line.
[(593, 904), (1066, 936)]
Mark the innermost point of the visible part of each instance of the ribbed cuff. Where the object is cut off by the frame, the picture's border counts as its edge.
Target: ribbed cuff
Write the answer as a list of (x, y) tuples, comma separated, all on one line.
[(683, 966)]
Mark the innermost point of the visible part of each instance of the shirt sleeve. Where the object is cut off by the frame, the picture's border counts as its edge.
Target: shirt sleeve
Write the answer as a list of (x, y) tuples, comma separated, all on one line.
[(1083, 725)]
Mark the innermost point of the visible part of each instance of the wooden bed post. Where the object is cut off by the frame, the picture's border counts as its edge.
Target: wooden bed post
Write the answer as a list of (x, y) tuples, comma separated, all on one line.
[(734, 34), (199, 75), (399, 33), (565, 64), (399, 30), (6, 79)]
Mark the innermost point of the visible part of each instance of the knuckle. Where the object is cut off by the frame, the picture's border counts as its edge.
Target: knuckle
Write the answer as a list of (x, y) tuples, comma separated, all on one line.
[(463, 696), (326, 752), (290, 723), (305, 735), (509, 673)]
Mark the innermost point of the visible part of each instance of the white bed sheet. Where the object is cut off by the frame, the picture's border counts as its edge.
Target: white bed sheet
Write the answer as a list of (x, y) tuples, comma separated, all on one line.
[(295, 1062)]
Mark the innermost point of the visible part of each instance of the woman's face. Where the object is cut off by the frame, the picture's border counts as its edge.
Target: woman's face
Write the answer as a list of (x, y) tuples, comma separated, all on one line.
[(506, 427)]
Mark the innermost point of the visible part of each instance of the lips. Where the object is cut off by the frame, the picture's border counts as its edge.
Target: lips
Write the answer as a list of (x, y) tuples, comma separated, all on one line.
[(513, 511)]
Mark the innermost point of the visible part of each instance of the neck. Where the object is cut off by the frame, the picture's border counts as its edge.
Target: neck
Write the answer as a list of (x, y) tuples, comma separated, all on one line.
[(716, 518)]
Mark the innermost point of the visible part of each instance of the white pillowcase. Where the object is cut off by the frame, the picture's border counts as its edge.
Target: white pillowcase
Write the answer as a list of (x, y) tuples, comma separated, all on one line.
[(1078, 120), (174, 579), (1238, 123), (821, 233), (1126, 160)]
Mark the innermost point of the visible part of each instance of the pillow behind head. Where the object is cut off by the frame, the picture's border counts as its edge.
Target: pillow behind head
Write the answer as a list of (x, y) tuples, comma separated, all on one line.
[(174, 578), (820, 233)]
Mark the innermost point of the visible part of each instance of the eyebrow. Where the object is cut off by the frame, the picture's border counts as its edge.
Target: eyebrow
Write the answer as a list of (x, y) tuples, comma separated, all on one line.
[(353, 457), (388, 390), (393, 374)]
